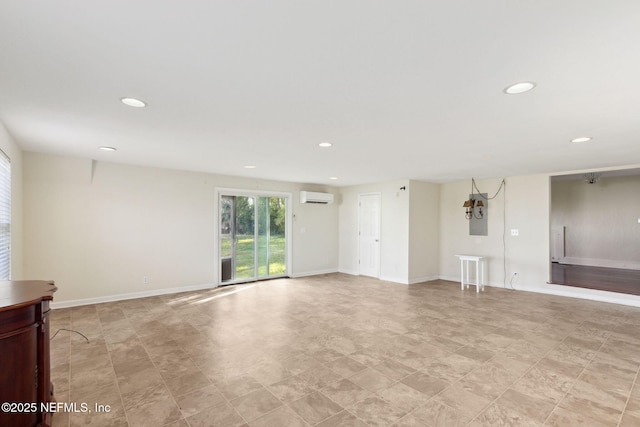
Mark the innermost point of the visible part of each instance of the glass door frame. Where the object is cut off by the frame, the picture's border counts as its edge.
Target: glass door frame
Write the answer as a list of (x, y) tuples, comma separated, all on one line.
[(219, 193)]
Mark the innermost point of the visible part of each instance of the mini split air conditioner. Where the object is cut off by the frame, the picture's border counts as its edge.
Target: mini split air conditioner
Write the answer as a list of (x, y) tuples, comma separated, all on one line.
[(313, 197)]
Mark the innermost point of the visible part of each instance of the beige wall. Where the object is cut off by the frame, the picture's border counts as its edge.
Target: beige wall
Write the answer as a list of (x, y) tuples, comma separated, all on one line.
[(11, 149), (394, 229), (99, 228), (454, 230), (409, 230), (315, 236), (601, 219), (424, 231), (528, 210)]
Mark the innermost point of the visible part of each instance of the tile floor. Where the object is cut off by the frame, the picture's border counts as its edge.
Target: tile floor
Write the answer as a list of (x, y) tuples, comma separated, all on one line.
[(339, 350)]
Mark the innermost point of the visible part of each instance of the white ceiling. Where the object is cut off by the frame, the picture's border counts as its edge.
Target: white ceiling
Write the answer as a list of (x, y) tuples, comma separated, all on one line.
[(403, 89)]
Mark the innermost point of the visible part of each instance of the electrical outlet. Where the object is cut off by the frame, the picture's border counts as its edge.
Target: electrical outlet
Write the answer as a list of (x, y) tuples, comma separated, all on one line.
[(515, 232), (145, 280)]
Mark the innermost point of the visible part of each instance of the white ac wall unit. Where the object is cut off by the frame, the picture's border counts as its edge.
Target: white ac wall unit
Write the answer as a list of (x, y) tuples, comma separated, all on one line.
[(314, 197)]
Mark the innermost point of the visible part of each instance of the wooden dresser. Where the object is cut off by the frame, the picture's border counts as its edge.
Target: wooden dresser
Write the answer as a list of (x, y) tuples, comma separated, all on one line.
[(24, 352)]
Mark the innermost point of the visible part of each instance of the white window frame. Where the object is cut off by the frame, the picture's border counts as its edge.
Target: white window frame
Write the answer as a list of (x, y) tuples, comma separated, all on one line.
[(5, 216)]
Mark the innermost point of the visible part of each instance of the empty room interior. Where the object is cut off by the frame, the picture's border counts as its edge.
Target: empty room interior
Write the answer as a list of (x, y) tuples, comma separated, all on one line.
[(319, 213)]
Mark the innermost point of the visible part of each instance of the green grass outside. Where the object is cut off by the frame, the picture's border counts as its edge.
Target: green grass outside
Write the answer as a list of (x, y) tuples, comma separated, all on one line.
[(245, 255)]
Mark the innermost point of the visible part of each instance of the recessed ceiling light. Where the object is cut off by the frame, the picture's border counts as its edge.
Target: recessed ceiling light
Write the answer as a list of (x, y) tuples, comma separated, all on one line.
[(581, 139), (333, 177), (250, 167), (133, 102), (517, 88), (325, 144), (105, 148)]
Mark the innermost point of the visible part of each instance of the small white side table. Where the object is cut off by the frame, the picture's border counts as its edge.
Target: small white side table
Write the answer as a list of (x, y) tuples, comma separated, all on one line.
[(464, 271)]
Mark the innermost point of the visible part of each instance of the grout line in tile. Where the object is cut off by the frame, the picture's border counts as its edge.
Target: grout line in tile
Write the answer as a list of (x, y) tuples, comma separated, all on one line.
[(501, 394), (124, 408), (331, 321), (576, 379), (635, 381)]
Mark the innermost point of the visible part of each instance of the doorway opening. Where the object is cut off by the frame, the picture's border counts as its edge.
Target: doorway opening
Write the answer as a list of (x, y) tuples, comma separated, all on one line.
[(254, 237), (594, 242)]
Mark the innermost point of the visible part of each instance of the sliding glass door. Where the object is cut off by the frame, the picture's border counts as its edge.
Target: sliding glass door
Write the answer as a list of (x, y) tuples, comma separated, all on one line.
[(253, 236)]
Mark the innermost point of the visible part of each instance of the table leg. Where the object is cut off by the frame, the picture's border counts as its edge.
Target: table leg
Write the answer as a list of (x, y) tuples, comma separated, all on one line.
[(467, 267), (462, 275)]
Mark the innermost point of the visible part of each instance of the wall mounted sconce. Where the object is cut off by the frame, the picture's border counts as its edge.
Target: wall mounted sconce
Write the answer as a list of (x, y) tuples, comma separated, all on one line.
[(473, 208), (476, 208)]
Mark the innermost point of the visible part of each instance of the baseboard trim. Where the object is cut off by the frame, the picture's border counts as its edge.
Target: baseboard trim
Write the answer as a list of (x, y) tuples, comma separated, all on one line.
[(490, 284), (450, 278), (567, 291), (315, 273), (559, 290), (132, 295), (601, 296), (156, 292), (382, 278), (423, 279), (393, 280)]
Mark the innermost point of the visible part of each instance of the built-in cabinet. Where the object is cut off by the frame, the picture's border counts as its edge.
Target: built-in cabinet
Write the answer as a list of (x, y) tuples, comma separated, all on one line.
[(25, 379)]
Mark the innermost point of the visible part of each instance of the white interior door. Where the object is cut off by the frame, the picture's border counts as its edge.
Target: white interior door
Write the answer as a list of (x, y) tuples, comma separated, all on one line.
[(369, 234)]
